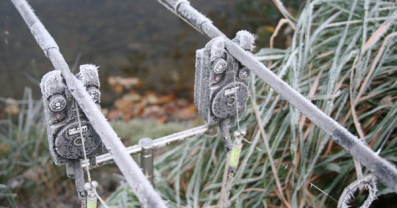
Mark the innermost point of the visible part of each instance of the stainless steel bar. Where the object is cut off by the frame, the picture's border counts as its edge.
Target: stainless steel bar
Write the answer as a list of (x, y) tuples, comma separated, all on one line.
[(158, 143), (146, 159), (384, 170), (181, 136), (141, 187)]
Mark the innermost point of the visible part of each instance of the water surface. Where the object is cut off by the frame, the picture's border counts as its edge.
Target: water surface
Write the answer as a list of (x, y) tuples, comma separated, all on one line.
[(131, 38)]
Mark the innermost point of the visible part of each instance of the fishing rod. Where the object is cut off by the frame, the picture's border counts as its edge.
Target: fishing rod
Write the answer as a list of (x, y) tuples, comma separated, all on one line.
[(381, 168)]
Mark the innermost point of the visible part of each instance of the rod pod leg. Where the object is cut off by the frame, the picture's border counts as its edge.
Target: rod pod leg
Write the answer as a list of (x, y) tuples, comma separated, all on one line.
[(225, 135), (79, 179), (146, 159)]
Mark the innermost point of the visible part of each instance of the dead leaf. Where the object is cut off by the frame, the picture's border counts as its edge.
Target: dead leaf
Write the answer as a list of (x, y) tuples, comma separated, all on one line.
[(11, 106), (15, 182), (182, 102), (114, 115), (118, 89), (186, 113), (33, 173), (150, 98), (387, 101), (127, 83), (4, 148)]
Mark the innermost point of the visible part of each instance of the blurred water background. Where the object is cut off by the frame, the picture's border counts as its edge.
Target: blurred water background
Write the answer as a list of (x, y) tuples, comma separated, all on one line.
[(134, 38)]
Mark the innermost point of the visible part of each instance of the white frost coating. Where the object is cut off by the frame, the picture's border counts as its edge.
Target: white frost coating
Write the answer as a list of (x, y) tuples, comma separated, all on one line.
[(217, 49), (245, 40), (191, 16), (134, 176), (92, 71), (369, 182), (46, 87), (179, 2), (44, 39)]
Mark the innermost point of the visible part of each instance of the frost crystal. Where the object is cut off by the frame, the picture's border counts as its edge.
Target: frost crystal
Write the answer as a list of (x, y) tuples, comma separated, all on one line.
[(369, 182), (245, 40)]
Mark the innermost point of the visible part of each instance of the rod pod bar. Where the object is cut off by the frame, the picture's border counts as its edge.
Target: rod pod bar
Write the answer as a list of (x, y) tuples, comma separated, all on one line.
[(157, 143), (381, 168)]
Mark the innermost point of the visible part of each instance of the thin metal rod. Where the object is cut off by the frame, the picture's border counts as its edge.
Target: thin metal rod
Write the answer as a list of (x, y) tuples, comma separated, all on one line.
[(146, 159), (158, 143), (384, 170), (131, 171), (181, 136), (108, 158)]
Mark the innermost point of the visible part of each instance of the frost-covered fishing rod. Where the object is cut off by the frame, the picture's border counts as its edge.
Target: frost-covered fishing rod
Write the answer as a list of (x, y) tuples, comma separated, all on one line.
[(381, 168), (134, 176)]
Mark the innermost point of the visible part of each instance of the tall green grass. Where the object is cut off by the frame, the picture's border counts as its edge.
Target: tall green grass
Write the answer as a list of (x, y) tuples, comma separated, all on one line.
[(343, 58), (25, 161)]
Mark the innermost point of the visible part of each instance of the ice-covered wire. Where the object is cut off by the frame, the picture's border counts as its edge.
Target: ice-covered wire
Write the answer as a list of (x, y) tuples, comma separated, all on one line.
[(235, 95), (93, 184), (82, 140), (131, 171), (100, 199)]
